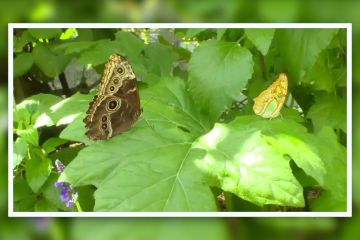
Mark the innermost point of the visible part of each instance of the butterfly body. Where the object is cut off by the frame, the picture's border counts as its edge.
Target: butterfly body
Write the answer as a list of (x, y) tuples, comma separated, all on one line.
[(116, 107), (269, 103)]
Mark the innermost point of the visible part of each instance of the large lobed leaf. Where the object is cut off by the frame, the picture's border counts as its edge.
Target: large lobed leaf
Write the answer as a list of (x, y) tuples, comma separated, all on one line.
[(248, 157), (301, 47), (151, 166)]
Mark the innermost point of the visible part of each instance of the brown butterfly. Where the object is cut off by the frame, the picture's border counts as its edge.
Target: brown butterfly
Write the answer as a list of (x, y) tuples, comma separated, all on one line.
[(116, 107)]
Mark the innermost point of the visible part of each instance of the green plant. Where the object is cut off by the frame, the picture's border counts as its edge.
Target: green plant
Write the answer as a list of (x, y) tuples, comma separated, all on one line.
[(197, 146)]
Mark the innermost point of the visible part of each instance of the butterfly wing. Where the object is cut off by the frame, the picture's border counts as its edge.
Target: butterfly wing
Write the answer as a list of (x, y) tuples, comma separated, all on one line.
[(269, 103), (117, 105)]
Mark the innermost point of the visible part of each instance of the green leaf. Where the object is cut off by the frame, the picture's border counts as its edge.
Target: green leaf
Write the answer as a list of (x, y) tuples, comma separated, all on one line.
[(168, 100), (24, 113), (129, 178), (25, 205), (51, 144), (192, 32), (218, 72), (328, 110), (42, 205), (98, 54), (74, 47), (261, 38), (20, 42), (22, 63), (292, 114), (160, 59), (220, 33), (125, 44), (45, 32), (27, 112), (38, 169), (49, 63), (154, 156), (65, 111), (86, 198), (334, 155), (20, 151), (75, 131), (300, 48), (69, 33), (30, 135), (131, 45), (39, 102), (66, 155), (247, 157), (321, 77), (21, 189)]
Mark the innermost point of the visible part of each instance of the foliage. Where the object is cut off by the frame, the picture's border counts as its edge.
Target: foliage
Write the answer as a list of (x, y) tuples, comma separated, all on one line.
[(197, 138)]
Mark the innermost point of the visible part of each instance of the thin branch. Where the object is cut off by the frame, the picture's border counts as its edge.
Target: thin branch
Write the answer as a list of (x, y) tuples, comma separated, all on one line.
[(64, 85)]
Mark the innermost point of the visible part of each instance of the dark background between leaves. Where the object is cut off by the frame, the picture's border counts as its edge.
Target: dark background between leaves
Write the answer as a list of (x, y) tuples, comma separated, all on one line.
[(184, 11)]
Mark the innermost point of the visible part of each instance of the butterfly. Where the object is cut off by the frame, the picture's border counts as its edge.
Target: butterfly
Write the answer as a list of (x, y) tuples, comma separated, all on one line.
[(116, 107), (269, 103)]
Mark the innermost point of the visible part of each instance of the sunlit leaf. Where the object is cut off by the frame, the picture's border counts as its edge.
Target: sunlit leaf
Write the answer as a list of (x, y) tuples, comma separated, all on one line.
[(333, 198), (65, 111), (30, 135), (248, 158), (20, 150)]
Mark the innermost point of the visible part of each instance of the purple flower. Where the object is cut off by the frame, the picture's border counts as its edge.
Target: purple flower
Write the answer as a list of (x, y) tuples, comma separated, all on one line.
[(68, 194)]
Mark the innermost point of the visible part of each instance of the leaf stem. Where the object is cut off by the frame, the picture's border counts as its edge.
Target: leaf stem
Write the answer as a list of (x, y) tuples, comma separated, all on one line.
[(228, 201), (241, 38), (78, 207), (262, 65)]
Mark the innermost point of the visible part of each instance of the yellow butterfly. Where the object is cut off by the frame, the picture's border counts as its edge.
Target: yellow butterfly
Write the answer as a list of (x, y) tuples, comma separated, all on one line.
[(269, 103)]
